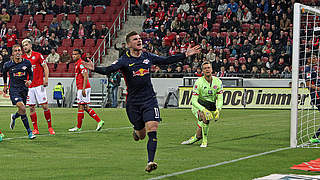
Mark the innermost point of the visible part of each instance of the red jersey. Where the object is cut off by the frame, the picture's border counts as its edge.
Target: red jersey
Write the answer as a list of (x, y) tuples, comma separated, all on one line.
[(37, 60), (11, 40), (79, 77)]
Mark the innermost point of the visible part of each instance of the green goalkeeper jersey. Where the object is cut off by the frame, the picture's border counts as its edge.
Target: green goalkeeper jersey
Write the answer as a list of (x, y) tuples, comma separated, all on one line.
[(207, 92)]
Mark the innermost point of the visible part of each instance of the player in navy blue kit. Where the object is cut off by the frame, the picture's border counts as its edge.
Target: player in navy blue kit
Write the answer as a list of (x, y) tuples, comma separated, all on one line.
[(142, 106), (20, 73)]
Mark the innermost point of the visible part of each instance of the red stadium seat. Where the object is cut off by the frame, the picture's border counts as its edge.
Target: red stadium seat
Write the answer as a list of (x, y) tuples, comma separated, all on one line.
[(89, 43), (234, 34), (38, 18), (242, 60), (16, 18), (66, 42), (219, 19), (25, 18), (245, 27), (216, 27), (257, 26), (78, 43), (71, 17), (98, 10), (87, 10), (20, 26), (95, 17), (83, 17), (115, 3), (213, 34), (231, 60), (267, 25), (59, 2), (59, 17), (224, 34), (48, 18)]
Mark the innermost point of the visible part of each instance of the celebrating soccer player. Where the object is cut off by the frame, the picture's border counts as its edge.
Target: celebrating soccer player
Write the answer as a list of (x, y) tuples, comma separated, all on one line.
[(207, 101), (20, 78), (142, 106), (37, 90), (83, 94)]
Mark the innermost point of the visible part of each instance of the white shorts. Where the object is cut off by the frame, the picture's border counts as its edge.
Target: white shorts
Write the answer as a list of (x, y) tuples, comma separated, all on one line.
[(81, 99), (37, 95)]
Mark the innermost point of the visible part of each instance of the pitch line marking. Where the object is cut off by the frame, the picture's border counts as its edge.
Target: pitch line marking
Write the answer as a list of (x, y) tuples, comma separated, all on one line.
[(218, 164)]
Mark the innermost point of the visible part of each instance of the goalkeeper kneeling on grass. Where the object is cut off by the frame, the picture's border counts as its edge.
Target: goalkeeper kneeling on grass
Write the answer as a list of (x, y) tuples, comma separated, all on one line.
[(207, 101)]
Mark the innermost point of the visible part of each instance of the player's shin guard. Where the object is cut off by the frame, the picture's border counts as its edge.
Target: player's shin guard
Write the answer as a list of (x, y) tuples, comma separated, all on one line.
[(80, 118), (93, 114), (152, 145), (205, 129), (34, 120), (47, 115), (26, 123)]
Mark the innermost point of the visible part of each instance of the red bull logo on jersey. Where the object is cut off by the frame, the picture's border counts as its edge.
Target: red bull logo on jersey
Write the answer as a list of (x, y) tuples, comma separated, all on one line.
[(141, 72), (19, 74)]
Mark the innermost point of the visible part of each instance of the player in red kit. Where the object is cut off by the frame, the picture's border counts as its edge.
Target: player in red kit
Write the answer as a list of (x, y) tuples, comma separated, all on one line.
[(83, 93), (37, 90)]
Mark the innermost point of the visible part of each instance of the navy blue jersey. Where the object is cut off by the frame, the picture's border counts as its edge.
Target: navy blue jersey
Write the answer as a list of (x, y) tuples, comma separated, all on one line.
[(313, 79), (136, 72), (18, 73)]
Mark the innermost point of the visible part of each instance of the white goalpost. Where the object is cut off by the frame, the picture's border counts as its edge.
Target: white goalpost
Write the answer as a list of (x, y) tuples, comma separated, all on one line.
[(305, 116)]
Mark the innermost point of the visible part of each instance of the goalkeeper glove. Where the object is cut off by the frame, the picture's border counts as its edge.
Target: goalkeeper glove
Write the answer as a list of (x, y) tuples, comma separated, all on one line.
[(207, 114), (216, 114)]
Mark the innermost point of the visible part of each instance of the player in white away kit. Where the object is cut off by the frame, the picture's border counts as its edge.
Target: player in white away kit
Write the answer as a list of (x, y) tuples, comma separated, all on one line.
[(37, 91)]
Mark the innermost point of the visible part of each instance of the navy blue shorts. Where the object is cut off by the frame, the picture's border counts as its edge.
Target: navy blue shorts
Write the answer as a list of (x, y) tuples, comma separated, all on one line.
[(18, 96), (139, 114)]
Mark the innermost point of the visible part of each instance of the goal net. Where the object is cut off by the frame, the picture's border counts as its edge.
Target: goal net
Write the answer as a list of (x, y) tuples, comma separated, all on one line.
[(305, 116)]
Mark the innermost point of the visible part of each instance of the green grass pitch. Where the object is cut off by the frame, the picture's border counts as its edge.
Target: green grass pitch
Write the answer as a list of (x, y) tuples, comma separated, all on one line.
[(113, 154)]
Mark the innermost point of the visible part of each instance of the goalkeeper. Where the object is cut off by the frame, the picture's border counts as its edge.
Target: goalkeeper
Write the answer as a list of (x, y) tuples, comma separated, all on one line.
[(207, 100)]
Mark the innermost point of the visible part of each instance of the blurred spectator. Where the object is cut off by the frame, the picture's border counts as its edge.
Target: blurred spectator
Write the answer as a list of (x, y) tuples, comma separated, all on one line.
[(76, 23), (122, 50), (71, 33), (198, 72), (53, 40), (53, 8), (94, 33), (275, 74), (45, 48), (5, 17), (264, 73), (233, 6), (169, 72), (104, 31), (222, 72), (65, 58), (3, 31), (157, 73), (247, 16), (54, 25), (65, 8), (36, 46), (222, 8), (81, 32), (74, 8), (30, 24), (88, 24), (286, 73), (244, 72), (65, 23), (35, 33), (53, 57), (255, 72), (11, 40)]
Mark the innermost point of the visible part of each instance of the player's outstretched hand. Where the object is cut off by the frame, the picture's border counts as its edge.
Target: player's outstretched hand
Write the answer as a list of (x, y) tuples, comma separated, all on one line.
[(89, 65), (45, 83), (27, 83), (216, 114), (208, 115), (193, 50)]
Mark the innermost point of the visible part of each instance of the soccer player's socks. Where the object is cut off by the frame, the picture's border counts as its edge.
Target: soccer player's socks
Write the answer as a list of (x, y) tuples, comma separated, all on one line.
[(80, 118), (16, 115), (47, 115), (152, 145), (26, 123), (205, 129), (34, 120), (93, 114)]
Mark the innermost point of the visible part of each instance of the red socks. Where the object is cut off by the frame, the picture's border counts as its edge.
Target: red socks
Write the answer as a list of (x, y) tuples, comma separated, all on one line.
[(80, 118), (34, 120), (47, 115), (94, 115)]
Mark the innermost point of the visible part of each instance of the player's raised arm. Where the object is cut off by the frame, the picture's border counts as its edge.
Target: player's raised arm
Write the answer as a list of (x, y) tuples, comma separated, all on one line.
[(176, 58), (115, 66), (195, 97)]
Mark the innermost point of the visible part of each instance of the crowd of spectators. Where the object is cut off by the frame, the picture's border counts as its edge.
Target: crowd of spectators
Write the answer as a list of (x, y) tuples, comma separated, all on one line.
[(241, 38), (47, 36)]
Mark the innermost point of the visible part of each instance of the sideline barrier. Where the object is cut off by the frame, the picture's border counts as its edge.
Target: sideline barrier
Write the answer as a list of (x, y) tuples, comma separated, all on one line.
[(268, 98)]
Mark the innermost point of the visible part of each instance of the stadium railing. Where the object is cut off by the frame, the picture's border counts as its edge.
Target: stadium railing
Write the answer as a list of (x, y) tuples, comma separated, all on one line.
[(115, 27)]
